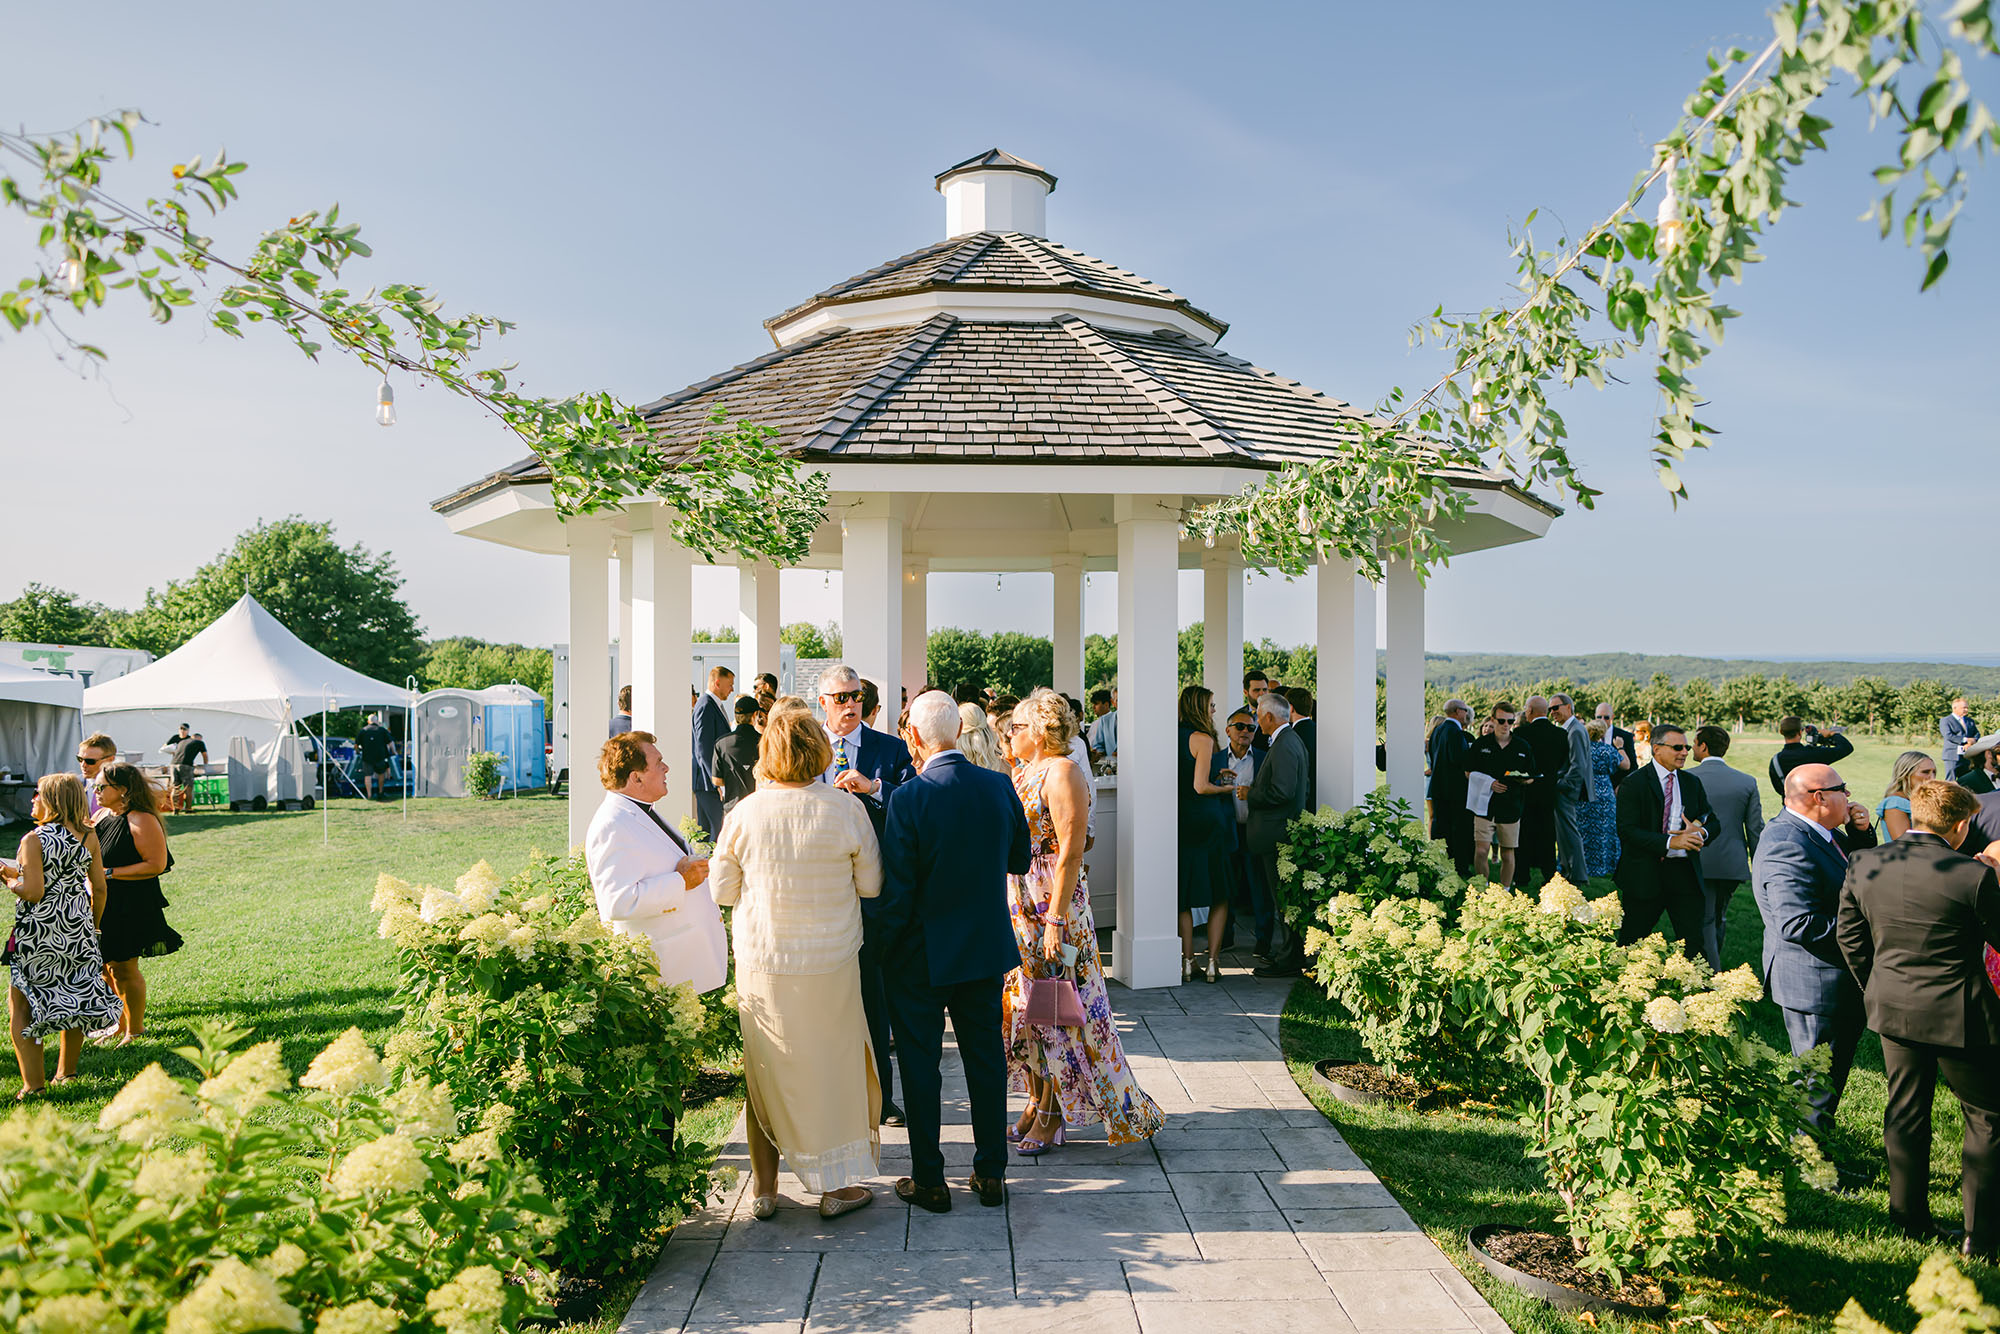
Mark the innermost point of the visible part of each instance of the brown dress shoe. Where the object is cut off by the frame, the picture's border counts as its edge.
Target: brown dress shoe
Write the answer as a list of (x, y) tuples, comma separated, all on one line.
[(991, 1191), (934, 1198)]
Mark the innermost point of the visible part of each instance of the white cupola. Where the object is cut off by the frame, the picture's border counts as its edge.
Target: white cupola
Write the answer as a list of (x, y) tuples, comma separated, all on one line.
[(995, 192)]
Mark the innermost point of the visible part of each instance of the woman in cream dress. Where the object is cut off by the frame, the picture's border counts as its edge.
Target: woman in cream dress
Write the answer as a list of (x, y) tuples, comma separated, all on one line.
[(796, 858)]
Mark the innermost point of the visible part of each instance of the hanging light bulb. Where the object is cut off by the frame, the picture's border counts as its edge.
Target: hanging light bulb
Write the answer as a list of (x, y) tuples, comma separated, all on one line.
[(1209, 541), (1305, 520), (996, 584), (72, 273), (1669, 230), (385, 404), (1482, 412)]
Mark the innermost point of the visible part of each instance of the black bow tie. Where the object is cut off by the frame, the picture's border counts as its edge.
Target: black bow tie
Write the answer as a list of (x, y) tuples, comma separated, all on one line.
[(654, 816)]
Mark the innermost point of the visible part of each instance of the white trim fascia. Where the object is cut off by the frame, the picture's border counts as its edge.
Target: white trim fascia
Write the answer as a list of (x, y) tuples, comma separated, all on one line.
[(916, 307)]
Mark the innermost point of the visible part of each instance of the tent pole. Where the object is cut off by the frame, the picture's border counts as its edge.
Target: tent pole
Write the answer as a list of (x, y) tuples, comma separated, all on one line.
[(325, 804), (409, 744)]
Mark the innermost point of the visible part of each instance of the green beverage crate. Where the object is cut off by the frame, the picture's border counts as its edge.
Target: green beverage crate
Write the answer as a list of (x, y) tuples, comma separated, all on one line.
[(211, 790)]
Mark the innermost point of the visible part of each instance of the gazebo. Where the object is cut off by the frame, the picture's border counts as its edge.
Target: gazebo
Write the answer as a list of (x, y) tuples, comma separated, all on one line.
[(998, 402)]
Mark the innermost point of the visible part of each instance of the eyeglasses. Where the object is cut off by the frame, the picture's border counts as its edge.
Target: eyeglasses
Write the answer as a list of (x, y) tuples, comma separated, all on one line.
[(1815, 791), (1012, 728), (846, 697)]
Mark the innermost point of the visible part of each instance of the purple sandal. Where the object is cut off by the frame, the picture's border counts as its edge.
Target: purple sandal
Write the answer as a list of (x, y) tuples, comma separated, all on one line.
[(1030, 1147)]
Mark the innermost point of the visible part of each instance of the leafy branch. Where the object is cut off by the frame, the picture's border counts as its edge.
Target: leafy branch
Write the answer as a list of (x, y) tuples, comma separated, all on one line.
[(731, 490), (1725, 164)]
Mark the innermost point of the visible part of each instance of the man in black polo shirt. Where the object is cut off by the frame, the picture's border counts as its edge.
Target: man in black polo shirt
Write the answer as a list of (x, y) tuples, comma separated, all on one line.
[(1505, 757), (736, 755), (1805, 745), (189, 751)]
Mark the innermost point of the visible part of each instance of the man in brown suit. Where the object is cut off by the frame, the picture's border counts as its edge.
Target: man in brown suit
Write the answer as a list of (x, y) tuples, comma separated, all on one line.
[(1915, 918)]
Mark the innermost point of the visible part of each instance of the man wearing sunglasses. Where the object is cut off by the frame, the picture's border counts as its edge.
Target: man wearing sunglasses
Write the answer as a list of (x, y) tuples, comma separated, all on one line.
[(1799, 870), (871, 765), (91, 757), (1662, 817)]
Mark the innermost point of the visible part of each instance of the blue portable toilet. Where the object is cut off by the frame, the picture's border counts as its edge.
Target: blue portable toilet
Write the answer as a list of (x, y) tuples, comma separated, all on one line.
[(516, 725)]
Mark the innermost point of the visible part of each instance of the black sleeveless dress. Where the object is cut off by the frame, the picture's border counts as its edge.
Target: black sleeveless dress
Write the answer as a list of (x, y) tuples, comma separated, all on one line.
[(135, 919), (1207, 834)]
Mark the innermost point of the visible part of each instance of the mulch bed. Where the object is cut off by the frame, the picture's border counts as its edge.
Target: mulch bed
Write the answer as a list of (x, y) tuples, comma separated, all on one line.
[(1367, 1078), (1553, 1259)]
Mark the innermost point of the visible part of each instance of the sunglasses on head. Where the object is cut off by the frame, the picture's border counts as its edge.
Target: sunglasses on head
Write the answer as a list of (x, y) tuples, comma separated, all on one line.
[(846, 697)]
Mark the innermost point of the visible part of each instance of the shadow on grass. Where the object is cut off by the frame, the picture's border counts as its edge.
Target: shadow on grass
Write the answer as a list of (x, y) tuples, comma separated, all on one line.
[(1456, 1168)]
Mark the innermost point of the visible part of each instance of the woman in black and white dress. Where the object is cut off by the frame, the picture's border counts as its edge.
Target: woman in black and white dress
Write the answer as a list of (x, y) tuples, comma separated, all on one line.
[(56, 969)]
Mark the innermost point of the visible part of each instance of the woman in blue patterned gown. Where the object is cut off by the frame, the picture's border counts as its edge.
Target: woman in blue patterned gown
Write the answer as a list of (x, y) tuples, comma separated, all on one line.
[(56, 969)]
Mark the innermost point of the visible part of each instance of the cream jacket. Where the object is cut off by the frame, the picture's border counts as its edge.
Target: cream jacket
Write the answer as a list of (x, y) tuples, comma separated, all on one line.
[(631, 862), (796, 863)]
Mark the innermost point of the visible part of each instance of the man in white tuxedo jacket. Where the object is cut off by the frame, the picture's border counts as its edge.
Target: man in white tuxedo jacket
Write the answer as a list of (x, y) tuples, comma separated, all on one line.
[(645, 879)]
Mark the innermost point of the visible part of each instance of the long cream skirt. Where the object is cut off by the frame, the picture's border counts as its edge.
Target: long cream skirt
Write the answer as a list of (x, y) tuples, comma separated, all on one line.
[(809, 1073)]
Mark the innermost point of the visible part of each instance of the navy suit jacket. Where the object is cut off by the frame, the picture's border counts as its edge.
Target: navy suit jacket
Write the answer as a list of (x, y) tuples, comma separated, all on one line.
[(1958, 733), (1797, 879), (711, 724), (955, 833), (886, 760)]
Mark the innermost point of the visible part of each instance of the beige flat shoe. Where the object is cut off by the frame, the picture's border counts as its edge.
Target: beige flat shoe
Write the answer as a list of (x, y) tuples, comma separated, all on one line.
[(832, 1206), (763, 1207)]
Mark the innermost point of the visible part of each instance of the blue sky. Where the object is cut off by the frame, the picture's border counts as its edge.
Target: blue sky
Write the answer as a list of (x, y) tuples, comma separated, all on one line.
[(640, 185)]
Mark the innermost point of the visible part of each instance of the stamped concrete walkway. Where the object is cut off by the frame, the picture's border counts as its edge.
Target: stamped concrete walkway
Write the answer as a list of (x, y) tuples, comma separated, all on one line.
[(1247, 1213)]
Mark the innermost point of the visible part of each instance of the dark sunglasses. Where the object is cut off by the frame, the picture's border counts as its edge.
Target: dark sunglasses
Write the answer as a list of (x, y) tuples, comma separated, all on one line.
[(1842, 788), (1242, 727), (86, 761), (846, 697), (1670, 745), (1505, 722)]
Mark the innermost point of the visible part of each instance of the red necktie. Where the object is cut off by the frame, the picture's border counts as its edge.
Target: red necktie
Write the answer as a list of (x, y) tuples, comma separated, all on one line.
[(1667, 805)]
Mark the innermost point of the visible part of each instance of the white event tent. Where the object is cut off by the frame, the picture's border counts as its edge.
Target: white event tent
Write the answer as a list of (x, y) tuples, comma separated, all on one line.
[(40, 726), (244, 675)]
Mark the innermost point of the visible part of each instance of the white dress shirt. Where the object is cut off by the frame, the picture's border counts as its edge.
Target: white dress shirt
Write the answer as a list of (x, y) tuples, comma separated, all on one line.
[(1245, 766), (1676, 808)]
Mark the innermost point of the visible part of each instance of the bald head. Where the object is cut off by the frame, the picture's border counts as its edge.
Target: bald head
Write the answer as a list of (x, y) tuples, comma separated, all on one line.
[(1537, 707), (1814, 792)]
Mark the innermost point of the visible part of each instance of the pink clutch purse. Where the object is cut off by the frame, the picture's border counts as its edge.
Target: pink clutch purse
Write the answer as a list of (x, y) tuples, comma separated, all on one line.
[(1052, 1003)]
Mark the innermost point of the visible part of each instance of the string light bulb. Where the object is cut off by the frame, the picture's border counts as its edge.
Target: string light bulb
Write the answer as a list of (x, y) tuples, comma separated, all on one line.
[(385, 404), (1482, 412), (1669, 228), (1208, 540), (72, 273), (1305, 520)]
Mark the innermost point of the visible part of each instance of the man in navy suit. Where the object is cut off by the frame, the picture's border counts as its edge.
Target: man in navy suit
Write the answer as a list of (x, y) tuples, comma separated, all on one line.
[(1958, 731), (954, 834), (871, 765), (1797, 878), (711, 724)]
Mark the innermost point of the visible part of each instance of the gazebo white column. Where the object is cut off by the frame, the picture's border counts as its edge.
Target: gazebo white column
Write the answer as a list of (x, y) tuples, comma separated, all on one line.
[(1068, 679), (1222, 629), (1145, 948), (662, 625), (871, 597), (622, 546), (916, 635), (1404, 685), (589, 540), (1346, 686), (757, 621)]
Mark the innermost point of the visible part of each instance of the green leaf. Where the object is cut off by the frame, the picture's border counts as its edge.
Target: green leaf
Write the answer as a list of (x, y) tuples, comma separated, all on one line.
[(1938, 264)]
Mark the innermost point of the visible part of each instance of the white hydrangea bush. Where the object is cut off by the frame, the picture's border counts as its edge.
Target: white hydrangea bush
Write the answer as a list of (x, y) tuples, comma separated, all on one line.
[(243, 1201), (515, 990), (1666, 1128), (1375, 851)]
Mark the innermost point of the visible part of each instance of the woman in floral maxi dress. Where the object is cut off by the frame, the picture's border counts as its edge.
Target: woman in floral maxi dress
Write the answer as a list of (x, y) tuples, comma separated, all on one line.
[(1072, 1076)]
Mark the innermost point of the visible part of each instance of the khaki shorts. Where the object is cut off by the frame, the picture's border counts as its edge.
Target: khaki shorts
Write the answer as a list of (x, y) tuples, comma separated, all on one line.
[(1483, 831)]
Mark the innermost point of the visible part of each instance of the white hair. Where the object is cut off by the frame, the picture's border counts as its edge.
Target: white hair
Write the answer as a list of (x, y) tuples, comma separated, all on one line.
[(840, 674), (1276, 705), (934, 718)]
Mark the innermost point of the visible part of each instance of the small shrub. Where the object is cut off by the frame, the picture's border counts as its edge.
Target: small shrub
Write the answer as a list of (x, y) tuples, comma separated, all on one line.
[(1941, 1293), (1666, 1128), (482, 773), (520, 989), (1374, 852), (245, 1202)]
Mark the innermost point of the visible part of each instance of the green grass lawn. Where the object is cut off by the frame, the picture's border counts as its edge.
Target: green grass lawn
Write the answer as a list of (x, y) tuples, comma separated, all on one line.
[(280, 937), (1457, 1168)]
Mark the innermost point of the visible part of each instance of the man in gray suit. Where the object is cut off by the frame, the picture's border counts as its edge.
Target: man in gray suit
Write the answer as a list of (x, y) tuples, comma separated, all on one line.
[(1958, 730), (1275, 798), (1574, 786), (1738, 804)]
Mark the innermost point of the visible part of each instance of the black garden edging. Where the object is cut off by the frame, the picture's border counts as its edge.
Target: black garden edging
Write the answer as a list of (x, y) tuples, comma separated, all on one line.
[(1558, 1295)]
